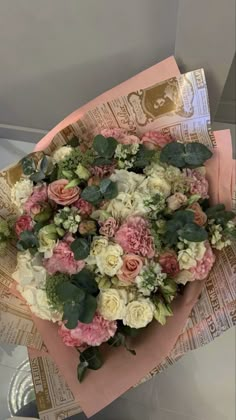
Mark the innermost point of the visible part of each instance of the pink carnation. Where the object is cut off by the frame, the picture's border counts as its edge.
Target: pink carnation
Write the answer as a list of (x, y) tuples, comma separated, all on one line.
[(23, 223), (37, 198), (198, 182), (85, 208), (121, 135), (102, 171), (204, 266), (135, 237), (109, 227), (93, 334), (62, 260), (155, 140)]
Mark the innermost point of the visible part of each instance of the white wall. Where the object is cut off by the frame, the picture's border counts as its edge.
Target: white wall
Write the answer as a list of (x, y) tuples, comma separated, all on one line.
[(55, 55)]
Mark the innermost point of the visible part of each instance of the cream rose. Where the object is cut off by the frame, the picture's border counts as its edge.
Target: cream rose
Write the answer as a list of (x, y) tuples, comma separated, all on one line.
[(110, 261), (176, 200), (155, 170), (184, 277), (139, 313), (155, 185), (112, 304), (188, 257), (98, 245), (62, 153), (20, 192), (127, 181)]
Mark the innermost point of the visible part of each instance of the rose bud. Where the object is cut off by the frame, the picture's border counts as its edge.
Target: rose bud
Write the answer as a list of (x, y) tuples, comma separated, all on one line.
[(87, 227)]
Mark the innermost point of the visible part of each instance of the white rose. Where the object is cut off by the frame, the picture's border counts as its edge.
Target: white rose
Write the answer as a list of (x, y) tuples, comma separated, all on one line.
[(155, 185), (121, 206), (176, 200), (38, 303), (110, 261), (62, 153), (20, 192), (127, 181), (183, 277), (188, 257), (139, 313), (112, 304), (155, 170), (98, 245)]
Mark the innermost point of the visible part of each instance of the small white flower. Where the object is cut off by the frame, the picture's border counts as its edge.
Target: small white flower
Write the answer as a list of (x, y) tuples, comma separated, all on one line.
[(112, 304), (139, 313), (62, 153), (20, 192)]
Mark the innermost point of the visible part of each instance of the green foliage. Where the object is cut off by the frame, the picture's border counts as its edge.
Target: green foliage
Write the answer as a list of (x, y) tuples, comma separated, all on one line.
[(85, 279), (118, 340), (193, 233), (52, 284), (71, 314), (74, 142), (89, 359), (27, 240), (92, 194), (68, 166), (108, 188), (219, 214), (100, 161), (143, 157), (104, 147), (69, 292), (80, 248), (189, 155), (87, 309), (28, 165), (182, 225)]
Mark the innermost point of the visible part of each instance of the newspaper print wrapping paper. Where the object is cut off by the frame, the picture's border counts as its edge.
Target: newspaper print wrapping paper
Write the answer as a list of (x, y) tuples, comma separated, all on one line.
[(179, 106)]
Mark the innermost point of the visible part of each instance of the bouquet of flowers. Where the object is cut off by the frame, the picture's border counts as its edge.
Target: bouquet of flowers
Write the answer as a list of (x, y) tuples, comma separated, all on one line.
[(109, 232)]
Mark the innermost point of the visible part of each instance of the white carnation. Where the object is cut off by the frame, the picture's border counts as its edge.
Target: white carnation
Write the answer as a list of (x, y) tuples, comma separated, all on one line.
[(139, 313), (62, 153), (38, 303), (20, 192), (112, 304)]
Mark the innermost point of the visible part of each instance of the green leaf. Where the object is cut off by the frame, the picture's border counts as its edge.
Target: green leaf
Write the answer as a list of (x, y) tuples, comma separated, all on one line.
[(37, 176), (69, 292), (143, 157), (193, 233), (44, 164), (105, 147), (184, 216), (222, 217), (87, 309), (92, 194), (173, 154), (128, 331), (211, 211), (81, 370), (108, 188), (117, 341), (80, 248), (196, 154), (100, 161), (86, 280), (44, 215), (74, 142), (71, 314), (27, 240), (28, 165), (72, 183), (93, 357), (67, 174)]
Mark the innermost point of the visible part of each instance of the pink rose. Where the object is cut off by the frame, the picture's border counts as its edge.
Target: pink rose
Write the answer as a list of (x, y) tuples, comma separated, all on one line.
[(169, 263), (200, 218), (61, 195), (176, 201), (85, 208), (23, 223), (135, 237), (132, 265), (204, 266), (62, 259), (155, 140), (94, 334), (121, 135), (109, 227), (38, 197)]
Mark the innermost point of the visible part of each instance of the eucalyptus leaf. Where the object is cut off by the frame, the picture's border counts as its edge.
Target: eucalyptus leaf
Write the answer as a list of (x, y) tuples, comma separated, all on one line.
[(105, 147), (81, 370), (28, 165), (92, 194), (74, 142), (85, 279), (173, 154), (193, 233), (69, 292), (44, 164), (87, 309), (128, 331), (67, 174), (117, 341), (27, 240), (80, 248), (93, 357), (184, 216), (143, 157), (71, 314), (37, 176), (101, 161), (196, 154), (211, 211), (108, 188)]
